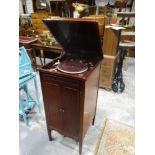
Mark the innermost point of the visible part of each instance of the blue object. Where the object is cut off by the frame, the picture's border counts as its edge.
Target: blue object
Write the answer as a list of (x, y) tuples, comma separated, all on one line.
[(25, 75)]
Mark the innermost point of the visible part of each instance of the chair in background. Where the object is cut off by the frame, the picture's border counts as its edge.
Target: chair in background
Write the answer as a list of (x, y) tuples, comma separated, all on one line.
[(26, 74)]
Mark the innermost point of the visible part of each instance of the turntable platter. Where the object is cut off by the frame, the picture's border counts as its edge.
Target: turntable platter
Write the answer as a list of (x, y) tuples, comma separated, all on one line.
[(72, 66)]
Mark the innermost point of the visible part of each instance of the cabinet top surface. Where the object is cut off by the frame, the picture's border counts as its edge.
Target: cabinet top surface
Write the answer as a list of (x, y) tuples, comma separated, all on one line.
[(49, 69)]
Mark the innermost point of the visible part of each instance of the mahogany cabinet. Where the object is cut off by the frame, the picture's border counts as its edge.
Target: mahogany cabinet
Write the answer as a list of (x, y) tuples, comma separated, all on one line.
[(61, 104), (70, 100), (70, 104)]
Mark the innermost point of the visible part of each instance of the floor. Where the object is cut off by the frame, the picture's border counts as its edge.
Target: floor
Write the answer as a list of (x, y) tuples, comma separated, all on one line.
[(116, 106)]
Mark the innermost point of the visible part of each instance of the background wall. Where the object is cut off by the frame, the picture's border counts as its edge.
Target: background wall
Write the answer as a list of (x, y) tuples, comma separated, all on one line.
[(20, 7), (28, 4)]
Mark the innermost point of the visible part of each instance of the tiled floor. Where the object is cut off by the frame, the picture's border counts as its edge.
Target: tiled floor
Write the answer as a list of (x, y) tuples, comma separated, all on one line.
[(34, 139)]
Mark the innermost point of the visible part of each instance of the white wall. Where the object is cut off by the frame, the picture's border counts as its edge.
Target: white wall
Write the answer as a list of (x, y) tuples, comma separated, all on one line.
[(132, 20), (29, 6), (20, 7)]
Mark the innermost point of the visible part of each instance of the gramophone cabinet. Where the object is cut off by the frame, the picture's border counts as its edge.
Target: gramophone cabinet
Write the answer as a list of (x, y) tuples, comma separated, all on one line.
[(70, 99)]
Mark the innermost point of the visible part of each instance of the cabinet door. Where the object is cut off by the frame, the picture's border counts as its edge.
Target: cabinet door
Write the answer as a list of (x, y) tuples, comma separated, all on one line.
[(70, 104), (61, 100), (52, 102)]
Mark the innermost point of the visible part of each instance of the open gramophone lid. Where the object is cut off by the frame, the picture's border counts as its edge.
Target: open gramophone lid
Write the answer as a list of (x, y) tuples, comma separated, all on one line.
[(78, 37), (72, 66)]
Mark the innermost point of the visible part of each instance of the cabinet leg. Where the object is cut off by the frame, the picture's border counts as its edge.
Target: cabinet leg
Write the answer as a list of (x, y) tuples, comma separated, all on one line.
[(49, 134), (80, 146), (41, 56), (93, 121)]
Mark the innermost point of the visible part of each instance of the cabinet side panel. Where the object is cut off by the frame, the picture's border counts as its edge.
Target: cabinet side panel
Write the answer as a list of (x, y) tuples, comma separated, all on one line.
[(91, 93)]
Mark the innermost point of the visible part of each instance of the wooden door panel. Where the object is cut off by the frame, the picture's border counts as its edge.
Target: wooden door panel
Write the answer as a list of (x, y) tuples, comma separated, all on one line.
[(70, 103), (53, 104)]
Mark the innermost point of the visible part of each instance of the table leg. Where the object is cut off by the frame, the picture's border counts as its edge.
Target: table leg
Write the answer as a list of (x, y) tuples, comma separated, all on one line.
[(41, 56), (44, 60), (34, 56)]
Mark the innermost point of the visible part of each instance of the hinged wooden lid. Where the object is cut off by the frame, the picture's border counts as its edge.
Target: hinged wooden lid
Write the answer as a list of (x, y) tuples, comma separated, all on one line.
[(78, 37)]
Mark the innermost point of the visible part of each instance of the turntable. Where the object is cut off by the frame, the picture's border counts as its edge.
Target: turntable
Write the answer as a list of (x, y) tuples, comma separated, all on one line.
[(70, 82), (72, 66)]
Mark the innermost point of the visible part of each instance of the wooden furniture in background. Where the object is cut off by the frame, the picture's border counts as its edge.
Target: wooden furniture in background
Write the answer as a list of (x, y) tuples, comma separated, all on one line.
[(111, 41), (126, 14), (129, 33), (122, 4), (56, 6), (129, 37), (37, 18), (44, 50), (110, 51), (107, 71), (127, 40), (26, 42)]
